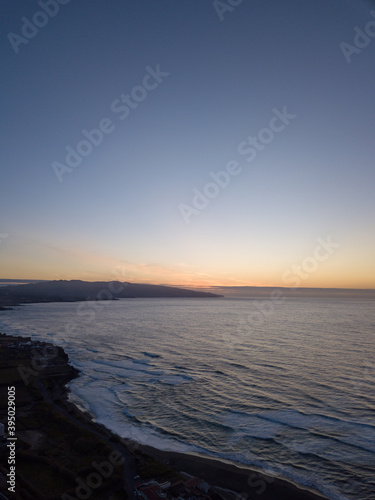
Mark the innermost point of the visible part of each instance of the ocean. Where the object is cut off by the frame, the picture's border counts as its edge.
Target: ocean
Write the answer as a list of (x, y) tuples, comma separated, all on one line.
[(283, 385)]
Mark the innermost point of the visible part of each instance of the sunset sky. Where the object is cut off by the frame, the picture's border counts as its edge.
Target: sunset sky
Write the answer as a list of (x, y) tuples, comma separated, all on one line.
[(182, 91)]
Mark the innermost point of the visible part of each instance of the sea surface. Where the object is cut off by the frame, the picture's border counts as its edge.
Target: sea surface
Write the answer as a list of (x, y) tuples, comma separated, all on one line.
[(286, 385)]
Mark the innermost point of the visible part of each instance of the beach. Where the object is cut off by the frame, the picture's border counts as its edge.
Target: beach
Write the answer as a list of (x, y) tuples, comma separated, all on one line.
[(62, 453)]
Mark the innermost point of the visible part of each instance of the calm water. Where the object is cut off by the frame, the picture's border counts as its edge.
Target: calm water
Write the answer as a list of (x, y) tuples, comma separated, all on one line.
[(291, 390)]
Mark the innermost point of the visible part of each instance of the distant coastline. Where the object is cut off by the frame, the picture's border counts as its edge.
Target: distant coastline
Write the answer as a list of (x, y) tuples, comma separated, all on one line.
[(300, 292), (209, 291), (79, 291), (14, 282)]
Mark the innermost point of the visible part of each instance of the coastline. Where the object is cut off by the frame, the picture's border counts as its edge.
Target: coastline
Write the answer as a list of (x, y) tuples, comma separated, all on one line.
[(243, 480), (68, 448)]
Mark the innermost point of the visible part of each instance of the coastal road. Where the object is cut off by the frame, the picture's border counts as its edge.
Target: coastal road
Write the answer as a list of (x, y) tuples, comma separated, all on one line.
[(130, 470)]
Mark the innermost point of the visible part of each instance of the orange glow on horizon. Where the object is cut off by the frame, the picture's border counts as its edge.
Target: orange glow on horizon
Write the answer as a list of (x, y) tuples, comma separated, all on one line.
[(88, 266), (190, 282)]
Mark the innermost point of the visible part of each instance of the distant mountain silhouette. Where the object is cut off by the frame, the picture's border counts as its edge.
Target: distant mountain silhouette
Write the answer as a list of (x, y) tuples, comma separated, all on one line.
[(77, 290)]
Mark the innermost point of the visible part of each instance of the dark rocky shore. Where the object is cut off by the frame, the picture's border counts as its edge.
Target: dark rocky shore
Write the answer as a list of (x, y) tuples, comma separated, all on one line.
[(61, 453)]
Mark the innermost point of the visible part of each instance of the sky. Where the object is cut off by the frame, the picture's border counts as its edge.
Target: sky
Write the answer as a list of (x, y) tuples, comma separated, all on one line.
[(192, 143)]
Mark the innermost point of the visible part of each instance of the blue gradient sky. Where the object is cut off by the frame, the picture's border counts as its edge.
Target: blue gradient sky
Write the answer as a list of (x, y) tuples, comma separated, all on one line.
[(118, 214)]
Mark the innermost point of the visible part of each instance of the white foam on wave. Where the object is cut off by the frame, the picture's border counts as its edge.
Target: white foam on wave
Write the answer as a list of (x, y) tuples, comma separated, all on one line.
[(129, 369), (251, 425), (174, 379), (104, 405), (293, 430), (126, 368), (96, 397), (125, 364), (309, 421), (367, 442), (323, 447), (111, 416), (329, 428), (141, 361)]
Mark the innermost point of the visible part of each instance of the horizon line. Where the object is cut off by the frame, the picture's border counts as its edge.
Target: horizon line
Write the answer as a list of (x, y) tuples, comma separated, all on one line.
[(20, 280)]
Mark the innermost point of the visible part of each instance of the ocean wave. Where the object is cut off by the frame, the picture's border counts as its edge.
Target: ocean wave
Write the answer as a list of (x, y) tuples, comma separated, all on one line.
[(174, 379), (141, 361), (310, 421)]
